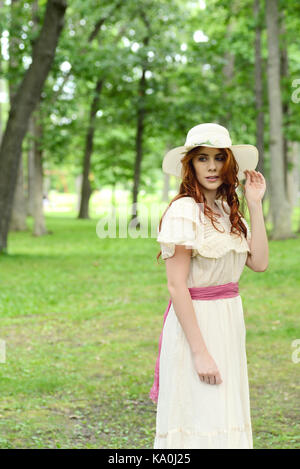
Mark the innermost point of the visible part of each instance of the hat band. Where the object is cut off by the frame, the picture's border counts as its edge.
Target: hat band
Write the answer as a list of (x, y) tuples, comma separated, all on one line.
[(222, 142)]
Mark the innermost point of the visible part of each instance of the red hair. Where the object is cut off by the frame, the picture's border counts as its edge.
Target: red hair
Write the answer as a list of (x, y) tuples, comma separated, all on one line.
[(190, 187)]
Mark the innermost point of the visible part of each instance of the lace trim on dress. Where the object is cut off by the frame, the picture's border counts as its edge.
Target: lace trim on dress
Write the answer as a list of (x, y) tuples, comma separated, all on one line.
[(184, 224), (244, 428)]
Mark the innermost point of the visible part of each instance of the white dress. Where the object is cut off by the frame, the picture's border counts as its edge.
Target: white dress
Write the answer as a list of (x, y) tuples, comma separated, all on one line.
[(191, 413)]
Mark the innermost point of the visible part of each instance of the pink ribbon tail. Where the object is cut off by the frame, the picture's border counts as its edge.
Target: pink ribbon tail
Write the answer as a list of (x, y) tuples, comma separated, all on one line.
[(155, 388)]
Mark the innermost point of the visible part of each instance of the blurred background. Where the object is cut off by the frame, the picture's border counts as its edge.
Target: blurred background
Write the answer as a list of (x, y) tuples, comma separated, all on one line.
[(92, 95)]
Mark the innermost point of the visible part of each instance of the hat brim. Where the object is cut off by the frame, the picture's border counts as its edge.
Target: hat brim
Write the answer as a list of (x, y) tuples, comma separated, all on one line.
[(246, 157)]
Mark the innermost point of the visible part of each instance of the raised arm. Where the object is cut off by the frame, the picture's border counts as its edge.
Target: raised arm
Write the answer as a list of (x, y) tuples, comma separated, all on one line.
[(254, 190)]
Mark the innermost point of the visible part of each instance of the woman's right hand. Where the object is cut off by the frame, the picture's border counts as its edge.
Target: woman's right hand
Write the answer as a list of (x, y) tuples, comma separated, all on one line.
[(206, 368)]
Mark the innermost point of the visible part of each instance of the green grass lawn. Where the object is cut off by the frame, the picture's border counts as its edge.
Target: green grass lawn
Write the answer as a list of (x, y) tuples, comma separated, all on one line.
[(81, 318)]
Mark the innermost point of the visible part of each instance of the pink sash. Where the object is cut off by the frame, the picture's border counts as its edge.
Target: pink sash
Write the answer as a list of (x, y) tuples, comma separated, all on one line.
[(213, 292)]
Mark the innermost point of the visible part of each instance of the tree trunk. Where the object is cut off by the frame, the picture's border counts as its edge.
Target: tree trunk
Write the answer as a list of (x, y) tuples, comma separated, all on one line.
[(259, 88), (285, 106), (78, 186), (139, 147), (1, 83), (1, 119), (13, 47), (1, 91), (141, 112), (18, 215), (281, 210), (259, 102), (228, 70), (30, 169), (86, 189), (293, 175), (23, 104), (39, 227)]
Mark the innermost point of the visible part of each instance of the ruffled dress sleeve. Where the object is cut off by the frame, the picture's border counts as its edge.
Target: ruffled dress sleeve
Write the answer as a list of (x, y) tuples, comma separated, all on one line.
[(181, 225)]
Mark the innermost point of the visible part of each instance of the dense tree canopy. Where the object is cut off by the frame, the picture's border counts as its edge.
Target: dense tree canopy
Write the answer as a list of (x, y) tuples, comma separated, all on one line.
[(129, 79)]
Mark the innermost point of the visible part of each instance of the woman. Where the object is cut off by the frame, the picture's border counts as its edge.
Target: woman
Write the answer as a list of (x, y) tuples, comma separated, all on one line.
[(201, 380)]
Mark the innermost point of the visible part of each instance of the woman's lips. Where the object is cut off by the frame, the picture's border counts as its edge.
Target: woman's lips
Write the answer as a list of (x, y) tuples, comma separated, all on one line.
[(212, 177)]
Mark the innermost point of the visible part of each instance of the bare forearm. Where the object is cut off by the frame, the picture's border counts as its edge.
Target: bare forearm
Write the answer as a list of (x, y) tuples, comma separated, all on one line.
[(259, 240), (184, 309)]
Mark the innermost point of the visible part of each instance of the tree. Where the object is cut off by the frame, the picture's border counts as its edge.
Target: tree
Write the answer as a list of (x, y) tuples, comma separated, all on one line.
[(280, 207), (22, 106)]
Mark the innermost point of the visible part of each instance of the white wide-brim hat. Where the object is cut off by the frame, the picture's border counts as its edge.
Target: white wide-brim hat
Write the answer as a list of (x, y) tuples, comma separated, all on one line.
[(214, 136)]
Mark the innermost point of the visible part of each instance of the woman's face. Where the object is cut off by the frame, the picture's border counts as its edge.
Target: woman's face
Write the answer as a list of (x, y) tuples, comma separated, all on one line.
[(209, 163)]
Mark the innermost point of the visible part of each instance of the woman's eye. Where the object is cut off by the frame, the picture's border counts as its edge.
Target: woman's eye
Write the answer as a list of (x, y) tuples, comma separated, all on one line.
[(220, 158)]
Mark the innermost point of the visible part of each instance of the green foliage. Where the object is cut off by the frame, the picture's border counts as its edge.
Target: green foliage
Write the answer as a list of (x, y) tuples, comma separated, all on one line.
[(81, 340), (184, 82)]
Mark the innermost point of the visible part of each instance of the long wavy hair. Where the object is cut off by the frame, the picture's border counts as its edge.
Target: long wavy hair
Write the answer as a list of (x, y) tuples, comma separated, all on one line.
[(190, 187)]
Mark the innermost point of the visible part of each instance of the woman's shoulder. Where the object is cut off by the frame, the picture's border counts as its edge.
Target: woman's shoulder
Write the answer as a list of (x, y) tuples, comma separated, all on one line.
[(184, 206), (186, 200)]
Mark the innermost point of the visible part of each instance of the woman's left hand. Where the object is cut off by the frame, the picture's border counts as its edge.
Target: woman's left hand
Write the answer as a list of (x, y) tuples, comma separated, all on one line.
[(255, 186)]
